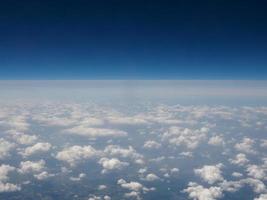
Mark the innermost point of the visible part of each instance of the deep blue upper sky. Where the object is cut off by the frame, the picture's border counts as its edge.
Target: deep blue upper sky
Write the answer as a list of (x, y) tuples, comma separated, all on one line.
[(124, 39)]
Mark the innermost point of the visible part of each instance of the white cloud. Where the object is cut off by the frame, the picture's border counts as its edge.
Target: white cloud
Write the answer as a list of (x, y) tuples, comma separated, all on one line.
[(76, 154), (43, 175), (186, 154), (80, 177), (240, 160), (263, 143), (246, 145), (102, 187), (256, 172), (132, 194), (37, 148), (4, 170), (237, 174), (210, 173), (198, 192), (151, 177), (257, 185), (5, 148), (25, 139), (4, 186), (216, 141), (18, 123), (130, 152), (126, 120), (190, 138), (132, 185), (9, 187), (261, 197), (22, 138), (152, 145), (95, 132), (174, 170), (231, 186), (112, 164), (31, 166)]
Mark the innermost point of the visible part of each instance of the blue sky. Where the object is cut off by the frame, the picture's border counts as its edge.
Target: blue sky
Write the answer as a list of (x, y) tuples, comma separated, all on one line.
[(133, 39)]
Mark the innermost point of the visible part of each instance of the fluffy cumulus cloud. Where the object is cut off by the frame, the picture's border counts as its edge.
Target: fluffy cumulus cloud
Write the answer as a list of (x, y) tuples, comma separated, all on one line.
[(261, 197), (240, 160), (153, 147), (246, 145), (132, 185), (263, 143), (37, 148), (22, 138), (31, 166), (78, 178), (4, 185), (233, 186), (257, 172), (185, 136), (112, 164), (75, 154), (210, 173), (43, 175), (4, 170), (123, 120), (9, 187), (152, 144), (198, 192), (130, 152), (136, 188), (151, 177), (216, 140), (5, 148), (91, 132)]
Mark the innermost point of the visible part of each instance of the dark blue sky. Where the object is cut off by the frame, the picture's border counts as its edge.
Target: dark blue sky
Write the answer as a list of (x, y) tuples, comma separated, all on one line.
[(108, 39)]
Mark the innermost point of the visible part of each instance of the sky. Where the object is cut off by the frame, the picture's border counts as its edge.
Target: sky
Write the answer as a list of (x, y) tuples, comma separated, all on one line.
[(108, 39)]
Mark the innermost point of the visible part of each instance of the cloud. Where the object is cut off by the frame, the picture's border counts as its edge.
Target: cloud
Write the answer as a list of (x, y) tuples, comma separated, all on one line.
[(130, 152), (31, 166), (198, 192), (151, 177), (4, 186), (246, 146), (261, 197), (18, 123), (185, 136), (263, 143), (126, 120), (37, 148), (102, 187), (9, 187), (216, 141), (240, 160), (80, 177), (256, 172), (75, 154), (257, 185), (237, 174), (5, 148), (43, 175), (210, 173), (4, 170), (112, 164), (24, 138), (94, 197), (150, 144), (95, 132), (232, 186), (132, 185)]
